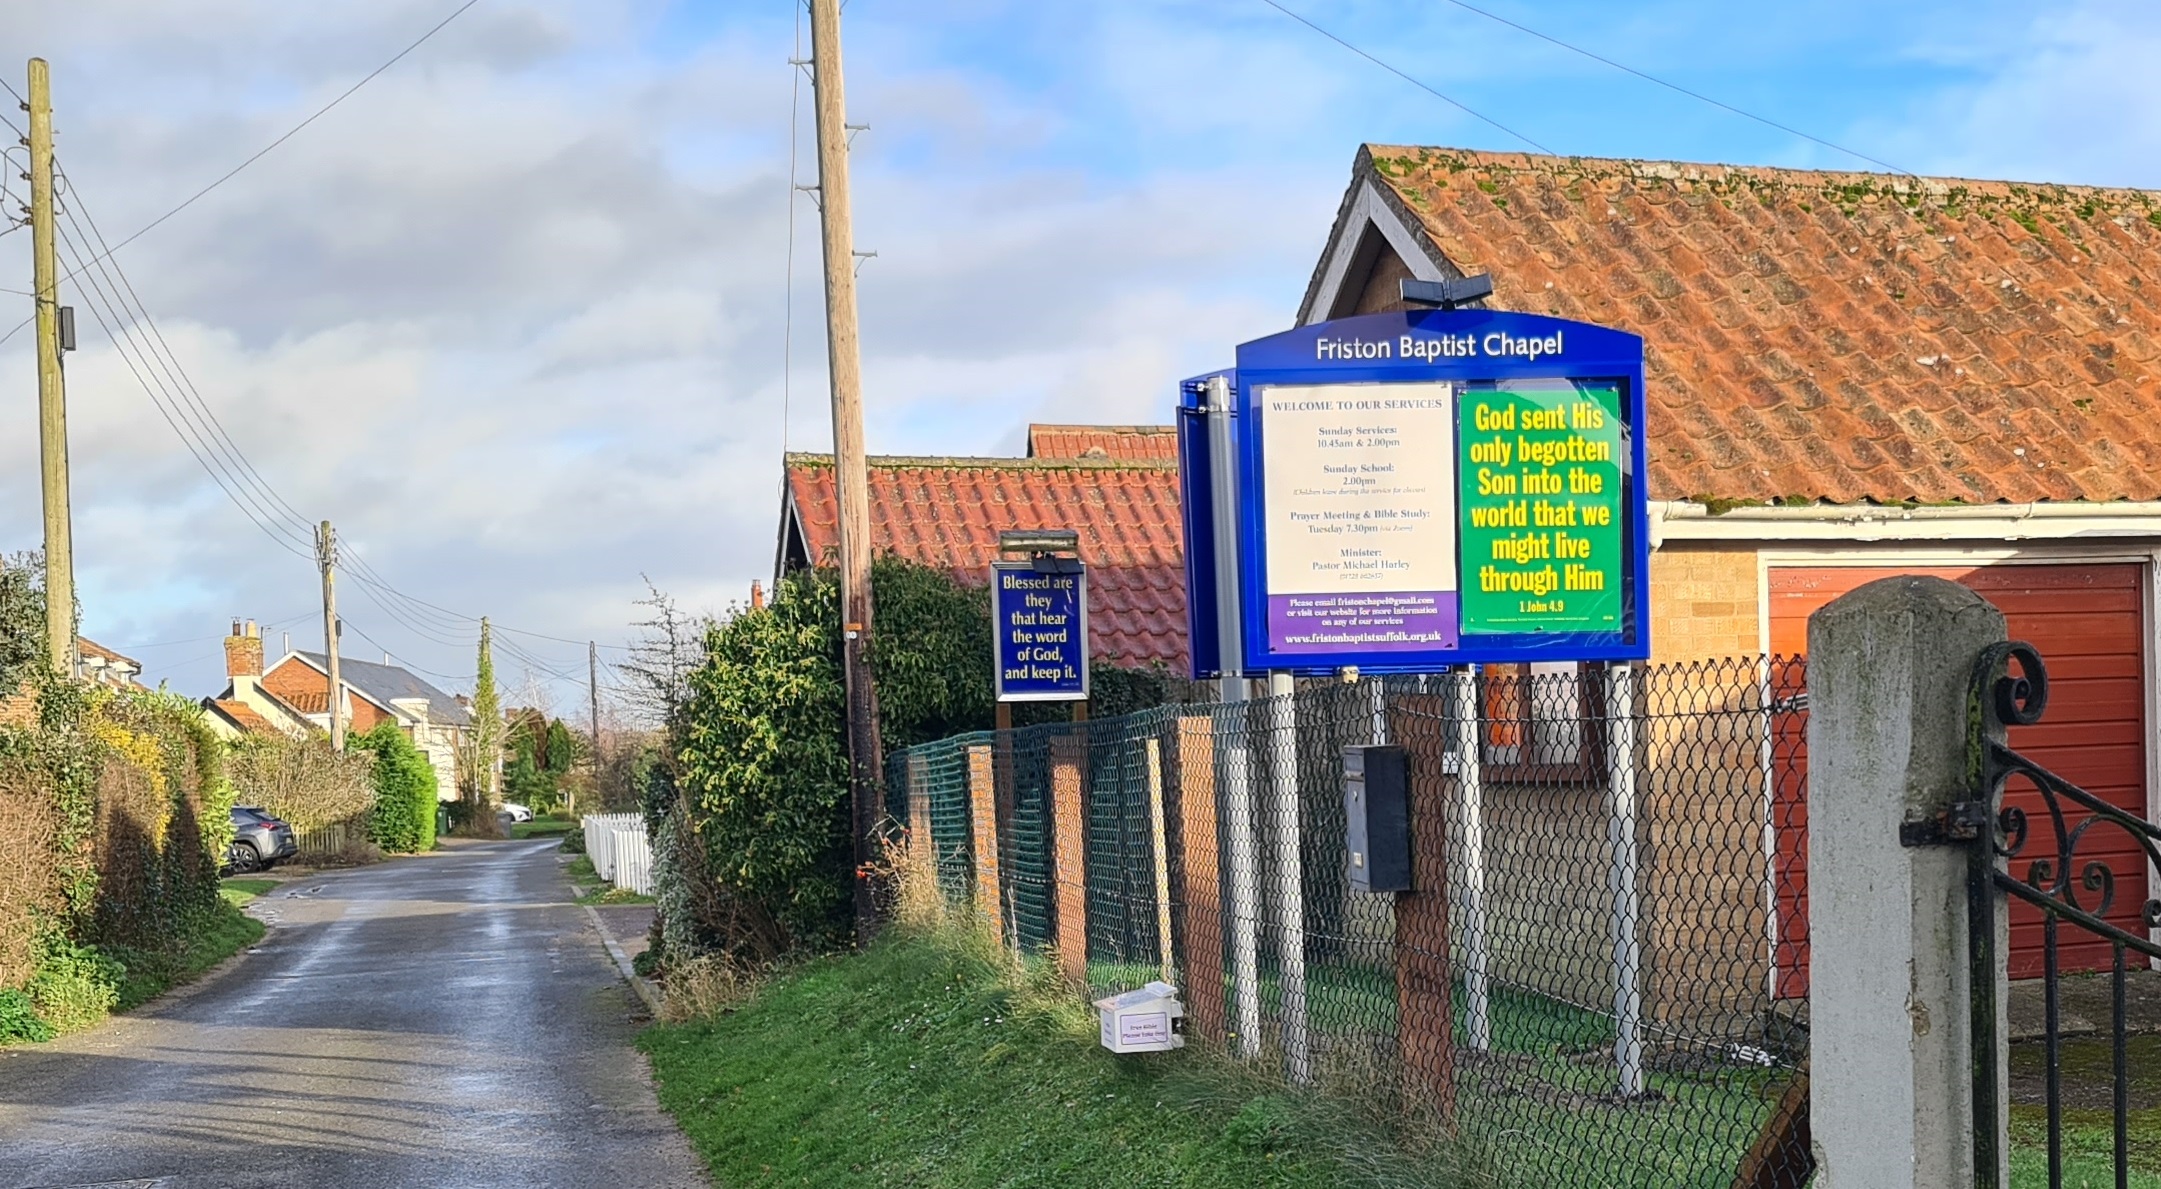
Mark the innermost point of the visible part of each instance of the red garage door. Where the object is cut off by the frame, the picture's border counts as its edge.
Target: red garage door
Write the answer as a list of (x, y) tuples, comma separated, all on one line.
[(2087, 622)]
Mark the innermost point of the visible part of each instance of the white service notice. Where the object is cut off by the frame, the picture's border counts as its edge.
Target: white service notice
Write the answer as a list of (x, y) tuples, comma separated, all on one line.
[(1359, 516)]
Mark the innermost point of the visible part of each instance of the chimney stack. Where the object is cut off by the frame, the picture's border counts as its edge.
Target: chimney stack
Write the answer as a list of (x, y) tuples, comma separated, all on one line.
[(757, 595), (244, 655)]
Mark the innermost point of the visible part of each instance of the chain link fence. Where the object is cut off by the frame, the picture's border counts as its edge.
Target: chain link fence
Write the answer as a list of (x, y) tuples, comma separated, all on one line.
[(1596, 966)]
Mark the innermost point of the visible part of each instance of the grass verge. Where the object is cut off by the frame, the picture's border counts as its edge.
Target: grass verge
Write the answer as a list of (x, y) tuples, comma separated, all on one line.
[(591, 889), (150, 974), (237, 892), (542, 827), (2089, 1128), (76, 986), (928, 1060)]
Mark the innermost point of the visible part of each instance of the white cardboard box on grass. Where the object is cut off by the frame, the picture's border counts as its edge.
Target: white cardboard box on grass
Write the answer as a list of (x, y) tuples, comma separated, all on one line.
[(1143, 1020)]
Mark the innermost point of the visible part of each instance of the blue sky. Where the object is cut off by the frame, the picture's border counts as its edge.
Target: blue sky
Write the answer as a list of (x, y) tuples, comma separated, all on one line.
[(513, 315)]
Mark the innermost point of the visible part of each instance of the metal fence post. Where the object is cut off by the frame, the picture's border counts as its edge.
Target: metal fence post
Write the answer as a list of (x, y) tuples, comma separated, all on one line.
[(1891, 1089), (1470, 795), (1235, 753), (1627, 902), (1289, 898), (1245, 905)]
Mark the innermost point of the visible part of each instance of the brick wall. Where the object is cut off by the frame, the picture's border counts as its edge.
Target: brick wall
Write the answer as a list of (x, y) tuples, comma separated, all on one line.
[(1703, 602), (305, 689)]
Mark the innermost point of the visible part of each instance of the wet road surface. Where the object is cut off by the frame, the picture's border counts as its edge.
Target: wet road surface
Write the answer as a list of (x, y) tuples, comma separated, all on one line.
[(450, 1020)]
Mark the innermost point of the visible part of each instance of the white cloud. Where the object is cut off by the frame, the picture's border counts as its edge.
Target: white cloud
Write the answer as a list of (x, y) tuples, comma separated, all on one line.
[(2068, 96), (512, 315)]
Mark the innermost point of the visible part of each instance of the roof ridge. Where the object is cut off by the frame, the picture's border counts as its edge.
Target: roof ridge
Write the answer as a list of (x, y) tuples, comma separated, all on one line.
[(1079, 427), (805, 459), (1374, 154)]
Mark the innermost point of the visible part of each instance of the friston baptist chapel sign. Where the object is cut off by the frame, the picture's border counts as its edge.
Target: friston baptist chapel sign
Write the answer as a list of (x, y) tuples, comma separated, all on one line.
[(1424, 488)]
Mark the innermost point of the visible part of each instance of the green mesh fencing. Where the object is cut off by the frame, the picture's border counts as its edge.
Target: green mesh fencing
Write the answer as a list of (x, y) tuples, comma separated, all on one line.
[(1600, 966)]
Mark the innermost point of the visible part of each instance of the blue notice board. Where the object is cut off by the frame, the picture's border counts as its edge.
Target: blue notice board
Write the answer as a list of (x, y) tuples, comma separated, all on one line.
[(1042, 623), (1425, 488)]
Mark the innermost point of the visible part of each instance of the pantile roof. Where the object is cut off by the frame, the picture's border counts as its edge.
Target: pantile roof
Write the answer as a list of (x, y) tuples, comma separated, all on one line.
[(1836, 337), (244, 717), (308, 701), (947, 512), (1124, 443)]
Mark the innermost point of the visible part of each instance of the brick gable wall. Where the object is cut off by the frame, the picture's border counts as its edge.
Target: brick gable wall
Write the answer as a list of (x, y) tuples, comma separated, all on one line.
[(308, 691)]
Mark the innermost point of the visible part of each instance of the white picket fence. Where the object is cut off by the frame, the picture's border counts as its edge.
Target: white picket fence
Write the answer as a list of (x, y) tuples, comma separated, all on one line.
[(620, 852)]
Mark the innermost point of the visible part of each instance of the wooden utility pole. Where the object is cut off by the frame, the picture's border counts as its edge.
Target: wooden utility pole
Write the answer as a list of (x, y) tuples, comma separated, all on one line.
[(52, 387), (326, 557), (850, 471), (592, 686)]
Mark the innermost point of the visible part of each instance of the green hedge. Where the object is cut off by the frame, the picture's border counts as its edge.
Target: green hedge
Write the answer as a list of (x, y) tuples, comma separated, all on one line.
[(138, 807), (403, 820)]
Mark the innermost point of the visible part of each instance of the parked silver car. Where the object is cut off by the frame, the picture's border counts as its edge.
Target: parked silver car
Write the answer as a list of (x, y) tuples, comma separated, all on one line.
[(260, 841)]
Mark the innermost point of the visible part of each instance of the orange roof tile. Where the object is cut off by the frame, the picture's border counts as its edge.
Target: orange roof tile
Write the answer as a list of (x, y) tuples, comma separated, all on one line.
[(947, 512), (306, 701), (243, 716), (1838, 337), (1124, 443)]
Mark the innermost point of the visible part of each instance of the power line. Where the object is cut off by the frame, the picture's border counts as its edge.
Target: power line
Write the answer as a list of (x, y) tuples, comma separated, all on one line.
[(1675, 87), (216, 635), (394, 656), (1428, 89), (187, 412), (204, 418), (404, 621), (136, 356), (122, 337), (295, 129)]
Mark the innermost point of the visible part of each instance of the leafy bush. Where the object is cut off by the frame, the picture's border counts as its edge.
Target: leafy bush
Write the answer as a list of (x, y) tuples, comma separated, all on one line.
[(930, 653), (22, 618), (403, 821), (133, 800), (763, 782), (525, 783), (562, 750), (19, 1019), (305, 782), (75, 986), (749, 807)]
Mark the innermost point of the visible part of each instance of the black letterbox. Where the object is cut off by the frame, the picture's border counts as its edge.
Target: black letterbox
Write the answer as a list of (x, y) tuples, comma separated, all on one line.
[(1376, 800)]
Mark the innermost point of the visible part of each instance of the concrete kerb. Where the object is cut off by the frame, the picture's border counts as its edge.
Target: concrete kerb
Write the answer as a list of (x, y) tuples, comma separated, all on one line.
[(643, 986)]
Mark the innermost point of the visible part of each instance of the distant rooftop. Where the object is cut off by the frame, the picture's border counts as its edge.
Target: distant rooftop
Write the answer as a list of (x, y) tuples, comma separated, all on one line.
[(947, 512), (388, 683)]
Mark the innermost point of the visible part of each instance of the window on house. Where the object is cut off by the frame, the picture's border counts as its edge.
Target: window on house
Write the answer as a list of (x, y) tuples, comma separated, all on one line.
[(1542, 722)]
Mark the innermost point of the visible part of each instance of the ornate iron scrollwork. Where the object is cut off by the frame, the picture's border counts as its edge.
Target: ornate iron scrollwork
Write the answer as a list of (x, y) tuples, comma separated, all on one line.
[(2084, 886), (2065, 882)]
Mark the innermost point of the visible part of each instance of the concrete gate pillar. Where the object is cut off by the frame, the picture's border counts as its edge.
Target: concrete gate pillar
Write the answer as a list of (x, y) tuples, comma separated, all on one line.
[(1890, 666)]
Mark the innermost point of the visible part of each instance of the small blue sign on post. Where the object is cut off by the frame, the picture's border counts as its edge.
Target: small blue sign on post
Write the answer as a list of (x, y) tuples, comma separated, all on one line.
[(1041, 617)]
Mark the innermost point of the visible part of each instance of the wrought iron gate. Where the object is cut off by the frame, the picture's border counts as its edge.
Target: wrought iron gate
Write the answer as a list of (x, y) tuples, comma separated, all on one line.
[(2072, 889)]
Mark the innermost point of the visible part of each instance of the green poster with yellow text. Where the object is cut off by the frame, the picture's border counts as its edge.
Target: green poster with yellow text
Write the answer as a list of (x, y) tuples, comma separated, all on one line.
[(1540, 475)]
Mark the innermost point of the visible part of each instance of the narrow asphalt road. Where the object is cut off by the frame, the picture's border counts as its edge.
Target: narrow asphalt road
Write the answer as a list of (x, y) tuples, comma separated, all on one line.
[(447, 1021)]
